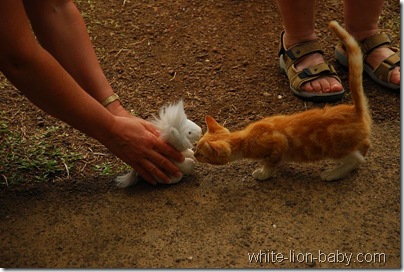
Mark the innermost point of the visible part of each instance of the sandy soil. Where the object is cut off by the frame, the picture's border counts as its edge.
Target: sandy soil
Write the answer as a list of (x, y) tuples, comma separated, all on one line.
[(221, 58)]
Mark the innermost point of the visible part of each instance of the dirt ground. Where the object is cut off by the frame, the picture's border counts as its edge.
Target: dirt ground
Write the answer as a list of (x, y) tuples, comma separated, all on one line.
[(221, 58)]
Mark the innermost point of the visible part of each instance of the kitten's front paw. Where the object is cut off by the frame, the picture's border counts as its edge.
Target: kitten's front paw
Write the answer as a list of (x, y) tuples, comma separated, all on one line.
[(332, 175), (263, 173)]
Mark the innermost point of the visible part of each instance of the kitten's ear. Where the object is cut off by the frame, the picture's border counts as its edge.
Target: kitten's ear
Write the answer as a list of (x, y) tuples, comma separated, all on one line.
[(212, 124)]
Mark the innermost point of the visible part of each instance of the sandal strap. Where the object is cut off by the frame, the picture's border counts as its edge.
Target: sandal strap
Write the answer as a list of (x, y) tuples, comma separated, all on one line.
[(393, 60), (292, 55), (383, 70), (296, 52), (300, 50), (368, 44), (311, 73)]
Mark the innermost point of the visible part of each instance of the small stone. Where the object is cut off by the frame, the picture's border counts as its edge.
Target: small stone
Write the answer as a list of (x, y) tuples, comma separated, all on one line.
[(40, 122)]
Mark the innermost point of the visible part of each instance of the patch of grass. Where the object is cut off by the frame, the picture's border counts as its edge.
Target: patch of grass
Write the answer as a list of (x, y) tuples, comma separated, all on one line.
[(104, 169), (35, 158), (45, 155)]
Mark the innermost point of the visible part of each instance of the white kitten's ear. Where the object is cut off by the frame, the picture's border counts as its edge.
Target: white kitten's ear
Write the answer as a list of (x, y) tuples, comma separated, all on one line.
[(174, 139), (212, 125), (173, 134)]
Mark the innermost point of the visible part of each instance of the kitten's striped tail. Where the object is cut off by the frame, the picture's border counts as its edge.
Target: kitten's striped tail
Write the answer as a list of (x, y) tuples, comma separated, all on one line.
[(355, 65)]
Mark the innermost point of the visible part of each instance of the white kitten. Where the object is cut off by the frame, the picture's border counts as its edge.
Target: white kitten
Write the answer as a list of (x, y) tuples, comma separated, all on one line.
[(179, 132)]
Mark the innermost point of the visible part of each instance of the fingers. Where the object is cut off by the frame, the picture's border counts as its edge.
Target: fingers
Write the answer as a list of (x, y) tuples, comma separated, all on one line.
[(142, 149), (159, 174), (165, 165), (153, 174), (168, 151), (155, 167), (150, 127), (149, 178), (161, 146)]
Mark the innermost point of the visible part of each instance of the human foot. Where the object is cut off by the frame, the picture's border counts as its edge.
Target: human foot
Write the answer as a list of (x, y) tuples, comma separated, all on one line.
[(324, 84), (377, 56), (310, 77), (381, 59)]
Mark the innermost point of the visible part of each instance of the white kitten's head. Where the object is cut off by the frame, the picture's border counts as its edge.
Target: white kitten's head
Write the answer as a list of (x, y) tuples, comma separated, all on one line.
[(192, 131), (175, 128)]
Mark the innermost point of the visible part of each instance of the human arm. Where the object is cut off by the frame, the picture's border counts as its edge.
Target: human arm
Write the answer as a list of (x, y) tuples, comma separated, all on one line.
[(47, 84)]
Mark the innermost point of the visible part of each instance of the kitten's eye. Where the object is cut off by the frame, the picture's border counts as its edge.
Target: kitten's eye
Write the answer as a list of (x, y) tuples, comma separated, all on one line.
[(190, 133)]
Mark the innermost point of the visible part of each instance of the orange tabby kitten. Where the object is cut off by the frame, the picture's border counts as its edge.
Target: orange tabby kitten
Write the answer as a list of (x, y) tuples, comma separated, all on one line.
[(339, 132)]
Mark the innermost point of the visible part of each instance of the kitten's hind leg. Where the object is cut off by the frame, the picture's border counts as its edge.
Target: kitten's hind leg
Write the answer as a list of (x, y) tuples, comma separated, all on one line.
[(349, 163), (265, 172)]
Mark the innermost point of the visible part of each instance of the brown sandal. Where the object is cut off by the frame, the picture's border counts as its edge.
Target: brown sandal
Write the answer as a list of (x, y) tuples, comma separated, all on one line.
[(288, 59), (382, 73)]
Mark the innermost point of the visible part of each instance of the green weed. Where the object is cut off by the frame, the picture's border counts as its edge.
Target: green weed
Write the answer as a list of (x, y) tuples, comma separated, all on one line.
[(36, 158)]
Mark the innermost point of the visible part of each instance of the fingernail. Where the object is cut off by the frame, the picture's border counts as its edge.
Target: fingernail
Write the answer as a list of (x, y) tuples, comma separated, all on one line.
[(178, 175)]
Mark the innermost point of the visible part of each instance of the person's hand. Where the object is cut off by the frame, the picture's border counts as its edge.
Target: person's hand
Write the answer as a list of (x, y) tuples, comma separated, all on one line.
[(137, 143), (117, 109)]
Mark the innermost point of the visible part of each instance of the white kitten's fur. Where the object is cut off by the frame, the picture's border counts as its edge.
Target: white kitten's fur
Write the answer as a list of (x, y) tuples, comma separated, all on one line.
[(179, 132)]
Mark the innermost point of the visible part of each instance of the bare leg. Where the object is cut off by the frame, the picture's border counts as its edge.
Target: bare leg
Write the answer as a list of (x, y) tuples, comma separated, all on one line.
[(361, 20), (58, 24), (298, 19)]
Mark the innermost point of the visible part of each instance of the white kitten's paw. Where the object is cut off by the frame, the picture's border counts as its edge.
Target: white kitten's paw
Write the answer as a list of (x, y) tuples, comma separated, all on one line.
[(263, 173), (173, 180), (127, 179), (187, 166), (188, 153)]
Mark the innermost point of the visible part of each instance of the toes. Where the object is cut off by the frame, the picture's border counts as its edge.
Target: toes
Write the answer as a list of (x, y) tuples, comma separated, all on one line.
[(322, 85), (313, 86), (395, 76), (318, 85), (335, 85), (307, 87)]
